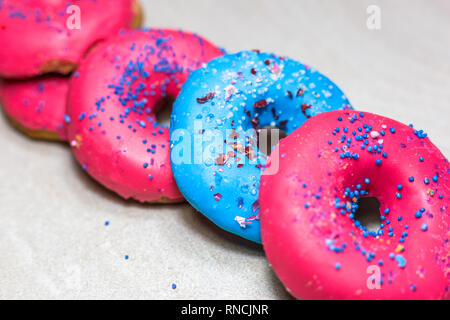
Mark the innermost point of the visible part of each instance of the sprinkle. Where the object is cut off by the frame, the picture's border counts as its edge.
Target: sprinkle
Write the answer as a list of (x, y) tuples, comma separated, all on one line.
[(174, 286), (260, 104), (374, 134), (206, 98), (337, 266), (424, 227), (242, 221), (400, 261), (305, 107)]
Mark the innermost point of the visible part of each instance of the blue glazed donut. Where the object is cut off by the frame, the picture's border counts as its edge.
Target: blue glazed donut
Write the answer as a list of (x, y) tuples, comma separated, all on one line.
[(214, 153)]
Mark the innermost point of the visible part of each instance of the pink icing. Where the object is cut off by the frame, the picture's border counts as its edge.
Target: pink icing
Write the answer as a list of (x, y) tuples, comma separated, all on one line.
[(37, 104), (35, 31), (125, 149), (318, 251)]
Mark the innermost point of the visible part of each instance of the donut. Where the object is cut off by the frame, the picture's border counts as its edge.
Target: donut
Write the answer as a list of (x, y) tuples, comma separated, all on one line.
[(113, 100), (311, 228), (215, 123), (43, 36), (37, 106)]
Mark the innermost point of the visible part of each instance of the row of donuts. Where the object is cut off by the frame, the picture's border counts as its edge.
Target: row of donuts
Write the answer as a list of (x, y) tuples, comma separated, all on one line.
[(303, 199)]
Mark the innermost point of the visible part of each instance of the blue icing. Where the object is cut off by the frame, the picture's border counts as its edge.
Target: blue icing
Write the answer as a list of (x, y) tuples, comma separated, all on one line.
[(215, 161)]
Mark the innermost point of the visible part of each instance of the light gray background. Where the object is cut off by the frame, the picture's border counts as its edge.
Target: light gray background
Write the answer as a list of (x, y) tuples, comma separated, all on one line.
[(53, 241)]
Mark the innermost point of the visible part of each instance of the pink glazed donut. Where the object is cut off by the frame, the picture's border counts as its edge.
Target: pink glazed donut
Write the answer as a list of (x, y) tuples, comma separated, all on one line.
[(114, 97), (37, 107), (309, 210), (43, 36)]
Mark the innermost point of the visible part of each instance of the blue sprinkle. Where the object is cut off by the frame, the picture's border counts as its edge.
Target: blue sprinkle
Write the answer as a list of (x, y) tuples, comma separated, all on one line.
[(400, 261)]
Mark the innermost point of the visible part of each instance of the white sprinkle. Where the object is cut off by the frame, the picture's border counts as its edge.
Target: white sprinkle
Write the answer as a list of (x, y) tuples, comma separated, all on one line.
[(374, 134), (229, 91), (73, 143), (241, 221)]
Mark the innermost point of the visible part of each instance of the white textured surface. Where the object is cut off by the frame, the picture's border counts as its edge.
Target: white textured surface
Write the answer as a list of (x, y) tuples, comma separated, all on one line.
[(53, 241)]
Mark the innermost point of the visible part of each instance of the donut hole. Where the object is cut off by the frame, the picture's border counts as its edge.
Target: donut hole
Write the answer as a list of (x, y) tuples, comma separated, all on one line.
[(163, 110), (368, 213), (268, 138)]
